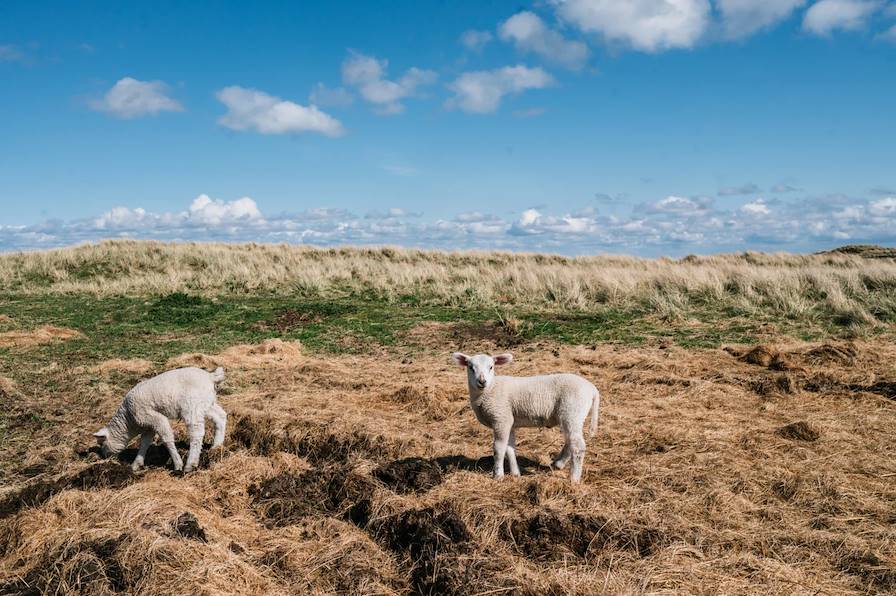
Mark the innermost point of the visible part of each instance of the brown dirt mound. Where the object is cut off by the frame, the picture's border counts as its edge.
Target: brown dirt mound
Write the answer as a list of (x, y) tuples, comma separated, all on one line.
[(799, 431), (287, 498), (549, 535), (90, 566), (187, 526), (413, 474), (42, 335), (441, 553), (765, 356), (110, 474)]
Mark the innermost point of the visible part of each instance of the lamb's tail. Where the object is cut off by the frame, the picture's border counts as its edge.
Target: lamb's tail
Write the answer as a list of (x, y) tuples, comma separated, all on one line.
[(595, 413), (218, 375)]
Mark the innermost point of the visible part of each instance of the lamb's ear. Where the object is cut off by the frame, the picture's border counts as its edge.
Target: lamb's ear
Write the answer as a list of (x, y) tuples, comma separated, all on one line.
[(101, 435), (503, 358), (460, 359)]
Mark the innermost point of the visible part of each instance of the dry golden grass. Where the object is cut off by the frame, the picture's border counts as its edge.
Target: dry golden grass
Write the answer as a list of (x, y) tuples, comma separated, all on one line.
[(853, 288), (712, 472), (42, 335)]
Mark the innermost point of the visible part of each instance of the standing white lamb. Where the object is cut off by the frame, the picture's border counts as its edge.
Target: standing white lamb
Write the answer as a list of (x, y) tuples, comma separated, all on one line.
[(506, 403), (184, 393)]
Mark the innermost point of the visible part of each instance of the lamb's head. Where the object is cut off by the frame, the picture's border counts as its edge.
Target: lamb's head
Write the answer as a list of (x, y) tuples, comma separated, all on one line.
[(480, 368), (109, 443)]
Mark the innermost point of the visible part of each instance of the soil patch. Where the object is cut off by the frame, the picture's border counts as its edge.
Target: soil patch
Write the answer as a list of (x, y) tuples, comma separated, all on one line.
[(109, 474), (413, 474), (83, 567), (287, 498), (441, 553), (799, 431), (549, 535), (187, 526)]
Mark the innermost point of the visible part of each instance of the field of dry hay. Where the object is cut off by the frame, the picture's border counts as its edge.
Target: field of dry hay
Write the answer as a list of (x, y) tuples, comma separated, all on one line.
[(762, 469)]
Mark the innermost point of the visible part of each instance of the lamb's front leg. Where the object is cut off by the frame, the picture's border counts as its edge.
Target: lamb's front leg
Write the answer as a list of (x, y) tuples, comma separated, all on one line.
[(197, 432), (145, 441), (502, 436)]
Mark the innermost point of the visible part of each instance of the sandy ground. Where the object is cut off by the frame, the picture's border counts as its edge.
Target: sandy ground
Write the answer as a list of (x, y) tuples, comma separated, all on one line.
[(747, 470)]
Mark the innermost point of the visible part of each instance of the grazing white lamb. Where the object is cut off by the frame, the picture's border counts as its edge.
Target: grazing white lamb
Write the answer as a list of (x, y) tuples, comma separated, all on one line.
[(506, 403), (184, 393)]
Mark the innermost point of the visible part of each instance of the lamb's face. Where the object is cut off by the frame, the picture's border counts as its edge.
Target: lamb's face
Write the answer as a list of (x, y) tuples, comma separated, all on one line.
[(480, 368)]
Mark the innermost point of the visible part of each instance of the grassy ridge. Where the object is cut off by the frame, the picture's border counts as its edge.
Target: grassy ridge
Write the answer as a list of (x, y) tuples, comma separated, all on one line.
[(803, 294)]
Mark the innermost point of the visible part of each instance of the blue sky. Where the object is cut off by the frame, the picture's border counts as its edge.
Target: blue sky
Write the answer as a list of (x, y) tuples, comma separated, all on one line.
[(576, 126)]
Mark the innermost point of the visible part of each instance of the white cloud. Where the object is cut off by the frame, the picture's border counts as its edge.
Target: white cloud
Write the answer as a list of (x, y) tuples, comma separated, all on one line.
[(646, 25), (671, 225), (675, 204), (757, 207), (529, 33), (321, 95), (11, 53), (827, 16), (884, 207), (215, 212), (203, 211), (249, 109), (130, 98), (367, 74), (475, 40), (741, 18), (481, 91)]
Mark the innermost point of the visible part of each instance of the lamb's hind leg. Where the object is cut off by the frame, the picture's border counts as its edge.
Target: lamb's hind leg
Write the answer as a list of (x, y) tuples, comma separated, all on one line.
[(577, 446), (197, 432), (563, 457), (219, 417), (511, 454)]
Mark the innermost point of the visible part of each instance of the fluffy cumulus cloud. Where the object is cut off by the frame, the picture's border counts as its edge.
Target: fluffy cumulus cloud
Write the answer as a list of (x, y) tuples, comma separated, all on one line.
[(646, 25), (528, 33), (368, 75), (756, 208), (673, 225), (130, 98), (826, 16), (202, 212), (249, 109), (481, 92), (741, 18), (475, 40)]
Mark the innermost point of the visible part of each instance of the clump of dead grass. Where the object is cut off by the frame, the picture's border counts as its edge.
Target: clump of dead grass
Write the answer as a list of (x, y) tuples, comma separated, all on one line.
[(21, 338)]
